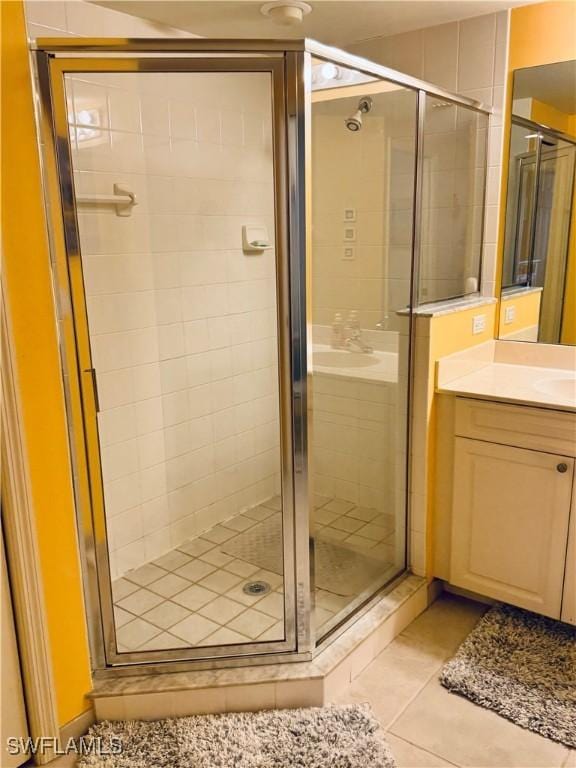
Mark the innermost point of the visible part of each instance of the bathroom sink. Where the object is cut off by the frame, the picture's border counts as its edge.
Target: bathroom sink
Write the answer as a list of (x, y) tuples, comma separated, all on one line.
[(341, 358), (559, 387)]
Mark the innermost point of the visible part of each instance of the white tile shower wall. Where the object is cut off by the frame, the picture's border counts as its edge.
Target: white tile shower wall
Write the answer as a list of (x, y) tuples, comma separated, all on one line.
[(469, 57), (370, 172), (182, 323), (76, 18)]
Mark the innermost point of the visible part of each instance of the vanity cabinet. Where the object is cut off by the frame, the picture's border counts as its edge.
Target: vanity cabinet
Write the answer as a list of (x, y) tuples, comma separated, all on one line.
[(510, 523), (506, 505)]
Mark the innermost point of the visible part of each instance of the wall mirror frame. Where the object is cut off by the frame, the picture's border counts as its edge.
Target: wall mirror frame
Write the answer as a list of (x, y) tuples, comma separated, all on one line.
[(538, 293)]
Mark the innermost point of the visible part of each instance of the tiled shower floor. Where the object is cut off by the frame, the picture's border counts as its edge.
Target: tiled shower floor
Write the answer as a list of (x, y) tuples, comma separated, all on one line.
[(193, 594)]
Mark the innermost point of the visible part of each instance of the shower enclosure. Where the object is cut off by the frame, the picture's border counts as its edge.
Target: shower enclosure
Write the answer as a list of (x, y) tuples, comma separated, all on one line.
[(236, 230)]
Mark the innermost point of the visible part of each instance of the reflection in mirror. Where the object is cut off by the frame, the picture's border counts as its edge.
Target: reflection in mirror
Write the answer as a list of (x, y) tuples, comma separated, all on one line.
[(539, 265)]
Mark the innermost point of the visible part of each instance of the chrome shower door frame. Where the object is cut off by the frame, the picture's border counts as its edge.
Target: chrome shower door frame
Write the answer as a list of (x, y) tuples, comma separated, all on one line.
[(55, 59)]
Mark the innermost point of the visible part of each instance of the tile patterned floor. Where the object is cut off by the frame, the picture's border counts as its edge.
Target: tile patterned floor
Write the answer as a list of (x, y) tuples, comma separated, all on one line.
[(428, 727), (193, 595)]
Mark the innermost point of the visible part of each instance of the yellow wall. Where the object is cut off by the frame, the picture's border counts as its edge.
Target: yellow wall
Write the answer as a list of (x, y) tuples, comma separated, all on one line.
[(527, 306), (545, 114), (448, 334), (542, 34), (28, 286)]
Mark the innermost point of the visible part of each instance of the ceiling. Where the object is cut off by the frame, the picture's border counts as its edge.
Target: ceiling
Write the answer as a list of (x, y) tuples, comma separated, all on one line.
[(333, 23), (553, 84)]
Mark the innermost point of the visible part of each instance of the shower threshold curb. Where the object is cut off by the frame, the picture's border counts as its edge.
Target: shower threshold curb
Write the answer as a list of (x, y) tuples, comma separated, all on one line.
[(250, 688)]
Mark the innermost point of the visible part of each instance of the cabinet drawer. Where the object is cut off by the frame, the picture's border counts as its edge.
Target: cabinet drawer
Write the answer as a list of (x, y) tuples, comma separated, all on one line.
[(535, 428)]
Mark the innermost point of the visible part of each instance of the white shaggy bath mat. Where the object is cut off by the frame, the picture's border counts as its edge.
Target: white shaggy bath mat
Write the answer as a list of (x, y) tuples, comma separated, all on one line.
[(523, 667), (329, 737)]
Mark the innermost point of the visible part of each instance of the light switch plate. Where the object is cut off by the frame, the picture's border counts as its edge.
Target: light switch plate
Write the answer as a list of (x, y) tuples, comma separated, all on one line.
[(478, 323), (350, 234), (509, 314), (348, 253)]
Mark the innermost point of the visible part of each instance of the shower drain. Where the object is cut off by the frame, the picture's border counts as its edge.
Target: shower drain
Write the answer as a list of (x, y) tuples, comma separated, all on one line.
[(256, 588)]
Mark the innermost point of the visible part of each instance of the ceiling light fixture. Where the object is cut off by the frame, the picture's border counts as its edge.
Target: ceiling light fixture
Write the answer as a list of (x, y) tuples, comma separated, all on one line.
[(286, 12)]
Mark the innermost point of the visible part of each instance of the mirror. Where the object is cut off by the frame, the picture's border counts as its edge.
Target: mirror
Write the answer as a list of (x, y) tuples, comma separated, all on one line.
[(539, 266)]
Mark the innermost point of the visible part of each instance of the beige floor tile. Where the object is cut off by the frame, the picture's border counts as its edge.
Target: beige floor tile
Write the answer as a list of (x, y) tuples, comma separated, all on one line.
[(196, 547), (274, 503), (409, 756), (194, 597), (194, 629), (320, 501), (259, 513), (324, 516), (195, 570), (140, 601), (218, 534), (363, 513), (321, 617), (273, 605), (251, 623), (122, 588), (447, 622), (172, 560), (332, 534), (275, 632), (274, 579), (135, 634), (222, 610), (339, 506), (375, 532), (145, 574), (359, 543), (225, 636), (237, 593), (216, 557), (169, 585), (121, 617), (345, 523), (166, 614), (239, 523), (241, 568), (220, 581), (163, 641), (468, 735), (395, 676)]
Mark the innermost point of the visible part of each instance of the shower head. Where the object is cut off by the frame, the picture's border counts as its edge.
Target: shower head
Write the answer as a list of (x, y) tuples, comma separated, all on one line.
[(354, 122)]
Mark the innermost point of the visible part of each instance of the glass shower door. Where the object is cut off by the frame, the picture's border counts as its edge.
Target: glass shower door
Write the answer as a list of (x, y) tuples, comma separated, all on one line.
[(178, 283), (363, 151)]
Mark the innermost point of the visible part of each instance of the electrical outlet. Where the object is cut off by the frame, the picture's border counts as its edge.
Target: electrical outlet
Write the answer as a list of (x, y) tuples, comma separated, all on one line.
[(348, 253), (509, 314), (478, 323)]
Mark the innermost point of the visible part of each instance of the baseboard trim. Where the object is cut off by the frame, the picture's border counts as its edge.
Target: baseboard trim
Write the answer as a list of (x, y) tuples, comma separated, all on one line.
[(435, 589), (77, 727), (453, 590)]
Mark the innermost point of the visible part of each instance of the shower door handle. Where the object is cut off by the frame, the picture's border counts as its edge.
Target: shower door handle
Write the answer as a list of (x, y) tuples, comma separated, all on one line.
[(92, 372)]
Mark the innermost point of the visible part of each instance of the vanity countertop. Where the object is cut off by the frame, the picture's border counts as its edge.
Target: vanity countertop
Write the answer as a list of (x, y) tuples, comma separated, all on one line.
[(512, 372)]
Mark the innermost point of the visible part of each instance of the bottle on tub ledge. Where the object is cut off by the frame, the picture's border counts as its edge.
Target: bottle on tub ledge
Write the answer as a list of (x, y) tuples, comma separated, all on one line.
[(337, 331)]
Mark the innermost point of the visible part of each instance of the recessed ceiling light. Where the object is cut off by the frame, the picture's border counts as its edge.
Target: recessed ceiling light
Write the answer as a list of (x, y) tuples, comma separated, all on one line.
[(286, 12)]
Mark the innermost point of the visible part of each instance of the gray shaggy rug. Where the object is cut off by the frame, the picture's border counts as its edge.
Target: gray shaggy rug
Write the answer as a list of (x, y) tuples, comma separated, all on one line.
[(330, 737), (522, 666)]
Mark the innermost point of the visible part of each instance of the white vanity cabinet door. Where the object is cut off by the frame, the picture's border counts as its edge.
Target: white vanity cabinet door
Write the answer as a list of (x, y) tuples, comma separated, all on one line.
[(510, 515), (569, 596)]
